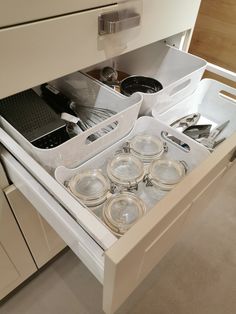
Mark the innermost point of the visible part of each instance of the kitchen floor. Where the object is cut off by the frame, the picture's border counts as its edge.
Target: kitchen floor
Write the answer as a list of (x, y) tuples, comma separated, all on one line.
[(197, 276)]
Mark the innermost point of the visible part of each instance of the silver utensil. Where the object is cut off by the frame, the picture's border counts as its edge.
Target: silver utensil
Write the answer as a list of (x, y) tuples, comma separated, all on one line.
[(211, 142), (198, 131), (108, 74), (91, 116), (186, 121)]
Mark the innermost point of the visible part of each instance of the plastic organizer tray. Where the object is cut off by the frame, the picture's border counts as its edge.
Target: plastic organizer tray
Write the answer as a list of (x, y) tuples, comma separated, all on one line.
[(78, 149), (215, 102), (148, 125), (178, 72)]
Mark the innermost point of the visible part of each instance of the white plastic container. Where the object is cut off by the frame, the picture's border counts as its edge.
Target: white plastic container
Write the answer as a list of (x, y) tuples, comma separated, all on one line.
[(213, 100), (78, 149), (191, 156), (178, 72)]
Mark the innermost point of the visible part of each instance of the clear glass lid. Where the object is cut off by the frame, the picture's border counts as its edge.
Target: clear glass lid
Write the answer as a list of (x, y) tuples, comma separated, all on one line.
[(91, 187), (121, 211), (146, 146), (165, 171), (125, 169)]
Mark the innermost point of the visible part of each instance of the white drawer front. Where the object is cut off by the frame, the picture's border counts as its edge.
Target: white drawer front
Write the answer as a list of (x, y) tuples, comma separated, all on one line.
[(131, 258)]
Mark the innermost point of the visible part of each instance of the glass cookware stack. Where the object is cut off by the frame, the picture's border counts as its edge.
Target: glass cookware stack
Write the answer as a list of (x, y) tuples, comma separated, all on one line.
[(139, 165)]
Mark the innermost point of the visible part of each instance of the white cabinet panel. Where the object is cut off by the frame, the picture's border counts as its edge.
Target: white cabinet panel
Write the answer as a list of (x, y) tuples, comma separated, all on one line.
[(15, 12), (43, 241), (41, 51), (8, 271), (16, 263)]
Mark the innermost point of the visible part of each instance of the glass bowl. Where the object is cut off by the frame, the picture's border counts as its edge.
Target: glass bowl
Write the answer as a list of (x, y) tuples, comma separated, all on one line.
[(147, 147), (166, 173), (125, 169), (91, 187), (122, 211)]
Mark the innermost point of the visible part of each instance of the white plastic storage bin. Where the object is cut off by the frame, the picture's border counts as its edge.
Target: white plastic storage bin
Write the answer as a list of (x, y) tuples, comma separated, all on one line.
[(78, 149), (144, 125), (215, 102), (178, 72)]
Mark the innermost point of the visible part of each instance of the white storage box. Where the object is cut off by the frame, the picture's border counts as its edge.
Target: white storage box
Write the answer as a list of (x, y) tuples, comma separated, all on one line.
[(78, 149), (178, 72), (213, 100), (148, 125)]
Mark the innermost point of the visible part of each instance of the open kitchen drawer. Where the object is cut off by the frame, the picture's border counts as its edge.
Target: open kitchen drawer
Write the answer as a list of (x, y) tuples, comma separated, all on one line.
[(120, 264)]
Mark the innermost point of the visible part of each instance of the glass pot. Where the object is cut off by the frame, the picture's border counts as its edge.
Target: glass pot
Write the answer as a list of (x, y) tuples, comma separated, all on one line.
[(165, 173), (91, 187), (122, 211), (146, 147), (125, 170)]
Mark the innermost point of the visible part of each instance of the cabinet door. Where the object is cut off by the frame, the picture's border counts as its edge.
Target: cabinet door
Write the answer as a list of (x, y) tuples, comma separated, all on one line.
[(16, 263), (43, 241), (72, 41), (131, 258)]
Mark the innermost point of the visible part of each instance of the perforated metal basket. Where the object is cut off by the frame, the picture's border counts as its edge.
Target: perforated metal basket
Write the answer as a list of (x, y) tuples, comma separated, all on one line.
[(30, 115)]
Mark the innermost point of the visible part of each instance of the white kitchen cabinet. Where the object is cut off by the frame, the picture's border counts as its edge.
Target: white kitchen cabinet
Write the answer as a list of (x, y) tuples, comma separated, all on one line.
[(16, 263), (27, 10), (43, 241), (27, 242), (40, 240), (47, 49), (36, 52)]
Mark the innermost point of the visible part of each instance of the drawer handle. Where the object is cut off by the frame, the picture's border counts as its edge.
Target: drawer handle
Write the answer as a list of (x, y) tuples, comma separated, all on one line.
[(114, 22)]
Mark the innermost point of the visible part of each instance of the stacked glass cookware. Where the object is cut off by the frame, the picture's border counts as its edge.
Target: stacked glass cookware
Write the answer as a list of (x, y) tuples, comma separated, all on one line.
[(139, 165)]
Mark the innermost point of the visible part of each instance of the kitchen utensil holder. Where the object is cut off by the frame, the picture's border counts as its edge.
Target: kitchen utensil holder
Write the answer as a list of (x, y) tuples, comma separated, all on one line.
[(79, 149)]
